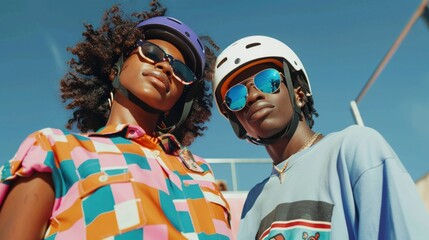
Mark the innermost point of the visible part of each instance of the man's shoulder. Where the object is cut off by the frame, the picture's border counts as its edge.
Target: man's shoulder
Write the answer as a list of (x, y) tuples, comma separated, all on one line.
[(359, 134)]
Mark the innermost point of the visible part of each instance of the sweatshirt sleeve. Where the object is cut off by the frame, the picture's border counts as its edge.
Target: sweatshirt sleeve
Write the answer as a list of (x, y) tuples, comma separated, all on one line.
[(385, 195)]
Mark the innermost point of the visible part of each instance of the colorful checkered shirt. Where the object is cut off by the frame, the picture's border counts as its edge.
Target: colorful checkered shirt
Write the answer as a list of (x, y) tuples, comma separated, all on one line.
[(119, 183)]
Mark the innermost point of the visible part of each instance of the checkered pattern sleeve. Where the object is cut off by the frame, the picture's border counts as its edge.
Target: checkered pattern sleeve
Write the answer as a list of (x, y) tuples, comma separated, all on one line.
[(34, 155), (111, 185)]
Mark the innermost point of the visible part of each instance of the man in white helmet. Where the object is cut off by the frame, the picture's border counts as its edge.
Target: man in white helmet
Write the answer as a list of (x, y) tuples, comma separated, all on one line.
[(345, 185)]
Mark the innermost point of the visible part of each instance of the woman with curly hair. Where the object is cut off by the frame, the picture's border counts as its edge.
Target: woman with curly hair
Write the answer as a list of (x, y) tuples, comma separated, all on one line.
[(139, 93)]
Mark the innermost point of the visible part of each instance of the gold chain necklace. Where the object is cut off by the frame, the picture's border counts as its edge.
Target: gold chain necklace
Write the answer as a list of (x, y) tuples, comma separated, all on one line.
[(305, 146)]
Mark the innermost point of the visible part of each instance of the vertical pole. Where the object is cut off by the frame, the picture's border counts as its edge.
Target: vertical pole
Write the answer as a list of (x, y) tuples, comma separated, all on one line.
[(356, 113), (234, 176)]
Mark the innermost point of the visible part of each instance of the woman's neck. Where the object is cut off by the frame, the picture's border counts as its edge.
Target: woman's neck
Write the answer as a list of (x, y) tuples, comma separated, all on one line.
[(125, 112)]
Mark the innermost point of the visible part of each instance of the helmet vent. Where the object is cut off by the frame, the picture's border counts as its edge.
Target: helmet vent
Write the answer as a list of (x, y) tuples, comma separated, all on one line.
[(221, 62), (174, 20), (237, 61), (201, 45), (252, 45), (187, 34), (295, 63)]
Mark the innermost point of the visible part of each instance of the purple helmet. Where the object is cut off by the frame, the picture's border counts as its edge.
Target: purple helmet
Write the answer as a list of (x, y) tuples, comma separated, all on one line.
[(186, 40), (180, 35)]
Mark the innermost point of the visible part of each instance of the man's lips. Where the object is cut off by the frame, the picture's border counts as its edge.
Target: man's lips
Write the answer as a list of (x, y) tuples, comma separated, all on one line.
[(258, 110), (160, 76)]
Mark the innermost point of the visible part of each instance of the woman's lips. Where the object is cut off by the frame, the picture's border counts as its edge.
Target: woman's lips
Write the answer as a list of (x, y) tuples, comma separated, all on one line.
[(160, 76)]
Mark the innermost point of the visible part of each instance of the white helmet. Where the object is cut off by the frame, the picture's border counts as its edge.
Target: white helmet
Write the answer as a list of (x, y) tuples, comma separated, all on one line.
[(248, 52)]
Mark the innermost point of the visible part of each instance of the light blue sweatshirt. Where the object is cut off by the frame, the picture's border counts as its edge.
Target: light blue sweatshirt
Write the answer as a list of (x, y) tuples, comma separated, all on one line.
[(349, 185)]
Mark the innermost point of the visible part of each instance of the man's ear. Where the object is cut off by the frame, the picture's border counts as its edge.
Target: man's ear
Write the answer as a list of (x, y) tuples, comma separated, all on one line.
[(300, 97)]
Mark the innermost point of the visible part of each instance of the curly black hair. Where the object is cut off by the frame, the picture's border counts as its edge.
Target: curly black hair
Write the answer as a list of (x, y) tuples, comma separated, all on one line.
[(86, 87), (308, 110)]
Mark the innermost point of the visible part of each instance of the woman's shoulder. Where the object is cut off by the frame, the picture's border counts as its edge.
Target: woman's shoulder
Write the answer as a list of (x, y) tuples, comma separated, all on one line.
[(56, 134), (50, 137)]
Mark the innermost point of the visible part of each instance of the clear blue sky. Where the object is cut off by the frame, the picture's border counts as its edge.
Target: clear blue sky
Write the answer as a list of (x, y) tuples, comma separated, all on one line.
[(339, 42)]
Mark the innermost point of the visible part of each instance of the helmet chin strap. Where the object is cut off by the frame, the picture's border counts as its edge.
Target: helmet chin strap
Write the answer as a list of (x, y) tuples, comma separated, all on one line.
[(128, 94), (187, 105), (290, 128)]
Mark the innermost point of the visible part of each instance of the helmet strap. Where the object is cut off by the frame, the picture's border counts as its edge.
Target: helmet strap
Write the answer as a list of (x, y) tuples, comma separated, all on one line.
[(290, 128), (161, 127), (128, 94)]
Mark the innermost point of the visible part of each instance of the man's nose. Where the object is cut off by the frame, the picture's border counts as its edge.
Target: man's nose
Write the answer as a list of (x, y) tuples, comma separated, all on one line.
[(254, 94)]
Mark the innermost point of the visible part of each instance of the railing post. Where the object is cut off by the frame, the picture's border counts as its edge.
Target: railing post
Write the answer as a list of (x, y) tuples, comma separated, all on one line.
[(234, 176)]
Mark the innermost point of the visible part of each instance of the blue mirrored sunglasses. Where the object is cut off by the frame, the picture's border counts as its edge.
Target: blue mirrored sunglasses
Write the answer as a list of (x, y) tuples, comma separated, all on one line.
[(154, 54), (266, 81)]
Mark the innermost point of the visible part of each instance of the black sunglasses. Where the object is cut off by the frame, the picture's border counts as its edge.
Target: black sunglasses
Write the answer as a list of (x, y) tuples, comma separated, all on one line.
[(154, 54)]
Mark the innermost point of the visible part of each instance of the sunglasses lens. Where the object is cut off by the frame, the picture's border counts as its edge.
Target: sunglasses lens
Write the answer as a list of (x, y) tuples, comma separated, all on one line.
[(156, 54), (268, 81), (183, 72), (152, 52), (236, 97)]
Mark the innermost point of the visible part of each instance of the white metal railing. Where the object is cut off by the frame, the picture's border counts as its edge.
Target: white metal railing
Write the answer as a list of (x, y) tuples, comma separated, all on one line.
[(233, 165), (422, 11)]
